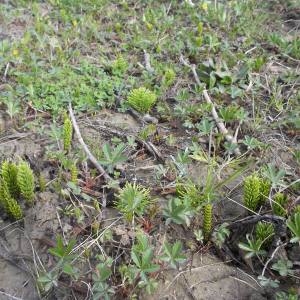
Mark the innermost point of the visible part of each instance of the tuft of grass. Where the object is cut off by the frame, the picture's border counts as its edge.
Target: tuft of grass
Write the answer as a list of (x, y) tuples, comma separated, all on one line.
[(141, 99)]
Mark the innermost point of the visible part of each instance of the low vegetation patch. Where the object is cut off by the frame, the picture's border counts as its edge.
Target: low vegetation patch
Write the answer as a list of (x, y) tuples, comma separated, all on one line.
[(165, 130)]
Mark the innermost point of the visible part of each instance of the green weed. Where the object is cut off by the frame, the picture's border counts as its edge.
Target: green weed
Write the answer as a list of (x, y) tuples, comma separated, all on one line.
[(133, 200), (141, 99)]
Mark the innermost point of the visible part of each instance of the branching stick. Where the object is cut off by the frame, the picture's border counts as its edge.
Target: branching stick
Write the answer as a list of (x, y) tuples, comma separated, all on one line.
[(214, 113), (90, 156)]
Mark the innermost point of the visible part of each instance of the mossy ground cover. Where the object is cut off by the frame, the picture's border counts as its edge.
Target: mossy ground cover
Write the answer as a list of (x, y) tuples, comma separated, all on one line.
[(192, 110)]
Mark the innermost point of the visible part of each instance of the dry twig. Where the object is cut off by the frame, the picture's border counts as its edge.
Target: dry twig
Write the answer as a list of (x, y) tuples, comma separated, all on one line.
[(10, 296), (91, 157), (6, 71), (272, 257), (150, 148), (218, 121), (147, 62)]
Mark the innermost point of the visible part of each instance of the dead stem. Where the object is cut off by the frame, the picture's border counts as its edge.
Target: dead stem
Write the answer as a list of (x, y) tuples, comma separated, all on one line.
[(214, 113), (91, 157), (147, 62)]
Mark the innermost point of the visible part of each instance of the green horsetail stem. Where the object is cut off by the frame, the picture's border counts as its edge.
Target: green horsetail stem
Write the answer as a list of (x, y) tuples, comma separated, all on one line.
[(207, 220), (25, 181)]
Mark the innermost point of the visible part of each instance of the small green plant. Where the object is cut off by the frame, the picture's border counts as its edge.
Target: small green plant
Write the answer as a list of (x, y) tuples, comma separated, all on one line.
[(252, 248), (273, 175), (205, 126), (252, 143), (199, 235), (207, 220), (9, 171), (74, 189), (252, 194), (257, 63), (173, 254), (264, 189), (74, 173), (4, 194), (47, 281), (291, 295), (280, 201), (67, 133), (101, 289), (61, 251), (64, 265), (229, 113), (119, 66), (268, 282), (42, 183), (14, 209), (15, 180), (141, 99), (264, 232), (25, 180), (13, 106), (169, 77), (190, 193), (112, 156), (293, 223), (296, 209), (142, 255), (283, 267), (132, 200), (148, 131), (178, 211), (209, 194), (220, 234), (10, 205)]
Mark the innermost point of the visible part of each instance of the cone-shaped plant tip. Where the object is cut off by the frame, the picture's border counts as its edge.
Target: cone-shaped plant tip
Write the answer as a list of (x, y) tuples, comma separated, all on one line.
[(67, 133), (252, 194), (25, 181), (10, 205), (207, 221), (265, 188), (279, 204), (9, 173), (42, 183), (4, 194), (14, 209), (74, 173)]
